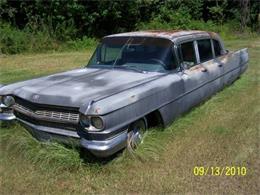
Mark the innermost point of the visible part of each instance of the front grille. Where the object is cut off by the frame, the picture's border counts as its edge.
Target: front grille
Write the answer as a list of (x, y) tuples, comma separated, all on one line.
[(46, 115), (67, 126)]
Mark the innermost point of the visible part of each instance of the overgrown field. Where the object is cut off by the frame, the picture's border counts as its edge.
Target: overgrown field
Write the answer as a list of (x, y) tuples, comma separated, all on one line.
[(224, 131)]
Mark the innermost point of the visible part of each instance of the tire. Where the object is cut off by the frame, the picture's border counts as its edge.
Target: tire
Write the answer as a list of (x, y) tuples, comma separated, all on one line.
[(136, 133)]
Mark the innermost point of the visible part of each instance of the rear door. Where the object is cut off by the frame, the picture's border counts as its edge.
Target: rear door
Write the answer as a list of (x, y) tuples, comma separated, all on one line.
[(213, 66)]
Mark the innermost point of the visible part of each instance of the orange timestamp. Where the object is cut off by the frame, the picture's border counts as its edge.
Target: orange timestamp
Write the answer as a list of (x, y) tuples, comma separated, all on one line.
[(220, 171)]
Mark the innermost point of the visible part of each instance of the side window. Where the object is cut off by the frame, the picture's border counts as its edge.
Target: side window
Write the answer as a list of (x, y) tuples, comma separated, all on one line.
[(187, 54), (170, 60), (205, 50), (217, 48)]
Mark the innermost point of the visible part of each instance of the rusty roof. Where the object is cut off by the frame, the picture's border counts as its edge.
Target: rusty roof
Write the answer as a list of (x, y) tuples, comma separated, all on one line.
[(168, 34)]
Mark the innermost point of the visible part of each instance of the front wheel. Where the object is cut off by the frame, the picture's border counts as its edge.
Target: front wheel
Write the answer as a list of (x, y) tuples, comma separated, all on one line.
[(136, 133)]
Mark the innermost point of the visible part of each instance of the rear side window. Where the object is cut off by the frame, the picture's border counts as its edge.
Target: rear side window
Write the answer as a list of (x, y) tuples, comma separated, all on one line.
[(217, 48), (205, 50), (187, 54)]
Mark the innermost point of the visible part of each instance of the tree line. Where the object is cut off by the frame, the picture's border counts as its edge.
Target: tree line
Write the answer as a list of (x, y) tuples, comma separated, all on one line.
[(97, 18), (42, 25)]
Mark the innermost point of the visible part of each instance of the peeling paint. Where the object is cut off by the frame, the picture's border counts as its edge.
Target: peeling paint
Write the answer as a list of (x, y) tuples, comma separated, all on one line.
[(167, 34)]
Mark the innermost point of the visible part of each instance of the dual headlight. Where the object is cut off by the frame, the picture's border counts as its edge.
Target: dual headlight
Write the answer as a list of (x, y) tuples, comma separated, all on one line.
[(7, 101), (92, 123)]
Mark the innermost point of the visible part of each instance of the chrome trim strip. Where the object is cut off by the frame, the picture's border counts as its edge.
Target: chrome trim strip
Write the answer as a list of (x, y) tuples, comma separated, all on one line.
[(51, 130)]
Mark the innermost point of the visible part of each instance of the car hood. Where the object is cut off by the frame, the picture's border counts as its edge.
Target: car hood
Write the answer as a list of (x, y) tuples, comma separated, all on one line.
[(78, 87)]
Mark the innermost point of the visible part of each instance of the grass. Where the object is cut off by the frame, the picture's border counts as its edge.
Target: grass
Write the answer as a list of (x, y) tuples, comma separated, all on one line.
[(223, 131), (25, 66)]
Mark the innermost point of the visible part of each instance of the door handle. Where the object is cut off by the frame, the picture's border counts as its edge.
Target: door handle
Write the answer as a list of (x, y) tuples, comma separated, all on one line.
[(220, 65)]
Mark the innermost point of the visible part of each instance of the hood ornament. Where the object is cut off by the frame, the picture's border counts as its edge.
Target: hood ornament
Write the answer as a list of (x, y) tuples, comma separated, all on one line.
[(35, 97)]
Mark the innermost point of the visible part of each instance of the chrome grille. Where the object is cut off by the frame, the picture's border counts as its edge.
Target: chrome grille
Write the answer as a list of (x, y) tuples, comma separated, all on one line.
[(48, 115)]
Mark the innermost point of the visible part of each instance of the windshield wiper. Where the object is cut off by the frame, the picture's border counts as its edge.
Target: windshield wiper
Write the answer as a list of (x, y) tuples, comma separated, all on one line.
[(123, 47), (130, 68)]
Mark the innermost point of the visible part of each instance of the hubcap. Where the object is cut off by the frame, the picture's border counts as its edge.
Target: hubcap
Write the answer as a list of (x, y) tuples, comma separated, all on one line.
[(136, 134)]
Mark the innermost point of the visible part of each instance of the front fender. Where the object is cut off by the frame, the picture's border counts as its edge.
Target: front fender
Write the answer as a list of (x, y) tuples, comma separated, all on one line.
[(120, 110), (6, 114)]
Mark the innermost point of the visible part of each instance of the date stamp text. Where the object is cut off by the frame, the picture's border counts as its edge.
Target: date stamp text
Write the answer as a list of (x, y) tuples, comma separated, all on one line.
[(219, 171)]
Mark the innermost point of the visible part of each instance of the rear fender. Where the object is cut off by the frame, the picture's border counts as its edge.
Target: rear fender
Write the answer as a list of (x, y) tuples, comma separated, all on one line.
[(243, 55)]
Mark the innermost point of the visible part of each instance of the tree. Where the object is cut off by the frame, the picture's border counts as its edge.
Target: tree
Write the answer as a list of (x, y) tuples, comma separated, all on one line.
[(245, 11)]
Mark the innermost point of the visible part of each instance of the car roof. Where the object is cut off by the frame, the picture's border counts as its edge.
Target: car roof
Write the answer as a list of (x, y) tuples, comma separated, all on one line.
[(167, 34)]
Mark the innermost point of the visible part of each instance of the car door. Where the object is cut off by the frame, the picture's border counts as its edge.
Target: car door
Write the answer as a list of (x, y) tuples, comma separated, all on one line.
[(233, 63), (214, 67), (194, 75)]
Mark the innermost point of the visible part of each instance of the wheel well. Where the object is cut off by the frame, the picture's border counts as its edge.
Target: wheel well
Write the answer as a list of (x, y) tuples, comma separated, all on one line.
[(154, 119)]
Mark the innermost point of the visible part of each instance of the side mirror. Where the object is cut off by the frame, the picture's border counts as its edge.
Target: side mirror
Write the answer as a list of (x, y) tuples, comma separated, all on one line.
[(223, 52), (181, 68)]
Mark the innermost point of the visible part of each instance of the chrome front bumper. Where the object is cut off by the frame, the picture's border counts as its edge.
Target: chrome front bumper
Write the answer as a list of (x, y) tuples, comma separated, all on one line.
[(107, 147), (100, 148), (5, 116)]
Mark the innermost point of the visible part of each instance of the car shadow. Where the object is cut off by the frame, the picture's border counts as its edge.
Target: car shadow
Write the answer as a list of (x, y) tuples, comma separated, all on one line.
[(89, 158)]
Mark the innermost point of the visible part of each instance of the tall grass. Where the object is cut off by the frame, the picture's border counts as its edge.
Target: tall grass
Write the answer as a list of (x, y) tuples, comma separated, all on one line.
[(16, 141)]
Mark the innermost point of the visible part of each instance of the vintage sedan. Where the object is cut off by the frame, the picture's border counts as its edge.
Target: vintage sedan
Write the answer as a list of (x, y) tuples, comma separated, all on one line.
[(132, 82)]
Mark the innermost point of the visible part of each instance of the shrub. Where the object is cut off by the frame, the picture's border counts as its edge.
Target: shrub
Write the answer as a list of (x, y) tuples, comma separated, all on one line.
[(12, 40), (181, 19), (83, 43)]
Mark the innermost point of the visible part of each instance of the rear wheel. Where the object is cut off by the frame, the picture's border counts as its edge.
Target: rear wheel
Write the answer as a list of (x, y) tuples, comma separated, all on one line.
[(136, 133)]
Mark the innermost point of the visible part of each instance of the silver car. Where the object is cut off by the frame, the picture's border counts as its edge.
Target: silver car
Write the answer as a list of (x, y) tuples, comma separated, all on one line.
[(132, 82)]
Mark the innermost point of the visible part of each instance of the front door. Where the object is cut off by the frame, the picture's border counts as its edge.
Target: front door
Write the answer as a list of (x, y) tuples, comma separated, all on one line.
[(194, 76)]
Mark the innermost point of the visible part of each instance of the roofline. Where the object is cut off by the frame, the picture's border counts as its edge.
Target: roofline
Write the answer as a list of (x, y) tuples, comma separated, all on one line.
[(172, 37)]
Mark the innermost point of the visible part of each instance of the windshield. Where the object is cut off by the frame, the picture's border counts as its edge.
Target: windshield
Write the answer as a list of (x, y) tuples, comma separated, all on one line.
[(136, 53)]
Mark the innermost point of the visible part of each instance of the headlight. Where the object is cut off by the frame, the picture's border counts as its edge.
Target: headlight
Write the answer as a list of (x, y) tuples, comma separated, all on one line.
[(1, 103), (8, 101), (84, 120), (91, 123), (97, 122)]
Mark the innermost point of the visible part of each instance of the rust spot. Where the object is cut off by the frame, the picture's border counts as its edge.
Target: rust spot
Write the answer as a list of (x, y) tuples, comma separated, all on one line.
[(212, 34), (97, 110), (197, 68), (226, 56), (163, 32)]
